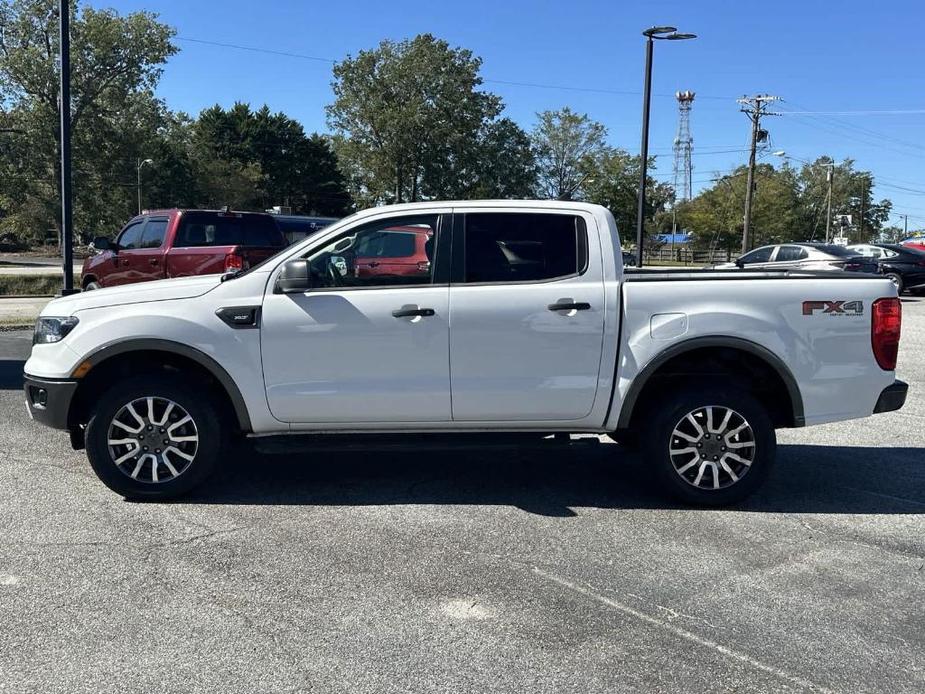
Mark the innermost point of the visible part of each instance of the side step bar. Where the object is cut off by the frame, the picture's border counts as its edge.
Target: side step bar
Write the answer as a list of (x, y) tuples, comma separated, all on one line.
[(296, 443)]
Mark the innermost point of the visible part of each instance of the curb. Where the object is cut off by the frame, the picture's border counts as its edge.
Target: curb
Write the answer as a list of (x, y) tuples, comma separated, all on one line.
[(26, 296), (8, 328)]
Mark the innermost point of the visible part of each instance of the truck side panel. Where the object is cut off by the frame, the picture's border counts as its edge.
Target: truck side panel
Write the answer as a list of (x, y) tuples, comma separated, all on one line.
[(828, 350)]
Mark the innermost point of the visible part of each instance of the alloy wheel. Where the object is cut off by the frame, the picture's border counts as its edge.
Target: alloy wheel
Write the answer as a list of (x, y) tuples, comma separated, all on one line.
[(712, 447), (153, 439)]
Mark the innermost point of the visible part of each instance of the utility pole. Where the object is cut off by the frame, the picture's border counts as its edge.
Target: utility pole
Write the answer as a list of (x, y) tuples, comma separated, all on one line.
[(754, 107), (828, 218), (905, 225), (67, 229), (861, 222), (139, 165)]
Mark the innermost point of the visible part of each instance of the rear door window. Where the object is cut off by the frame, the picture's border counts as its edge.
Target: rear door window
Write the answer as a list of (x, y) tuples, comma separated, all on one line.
[(227, 229), (390, 243), (790, 254), (523, 247), (154, 232)]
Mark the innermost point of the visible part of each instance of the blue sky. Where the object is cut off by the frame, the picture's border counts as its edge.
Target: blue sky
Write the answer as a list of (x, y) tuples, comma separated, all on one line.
[(820, 56)]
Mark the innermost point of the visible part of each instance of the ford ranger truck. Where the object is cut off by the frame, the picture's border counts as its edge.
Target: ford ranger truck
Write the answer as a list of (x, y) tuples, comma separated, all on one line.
[(522, 320)]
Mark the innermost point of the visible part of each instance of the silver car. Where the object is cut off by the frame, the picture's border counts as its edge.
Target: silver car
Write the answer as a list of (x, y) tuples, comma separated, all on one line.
[(803, 256)]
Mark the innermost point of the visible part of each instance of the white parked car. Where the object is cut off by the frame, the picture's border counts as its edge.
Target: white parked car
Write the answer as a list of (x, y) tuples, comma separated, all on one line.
[(518, 317)]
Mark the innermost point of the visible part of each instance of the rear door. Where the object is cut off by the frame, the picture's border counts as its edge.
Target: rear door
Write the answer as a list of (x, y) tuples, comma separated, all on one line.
[(261, 237), (210, 242), (526, 316), (395, 252), (789, 258)]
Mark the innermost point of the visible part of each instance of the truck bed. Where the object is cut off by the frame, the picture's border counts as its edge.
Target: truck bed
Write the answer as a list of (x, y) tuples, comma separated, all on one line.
[(702, 274)]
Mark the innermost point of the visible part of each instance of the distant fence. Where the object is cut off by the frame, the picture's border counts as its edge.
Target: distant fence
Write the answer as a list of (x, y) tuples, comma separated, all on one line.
[(688, 256)]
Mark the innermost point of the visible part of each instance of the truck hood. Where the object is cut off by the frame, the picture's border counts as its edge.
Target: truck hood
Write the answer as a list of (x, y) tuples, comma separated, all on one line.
[(158, 290)]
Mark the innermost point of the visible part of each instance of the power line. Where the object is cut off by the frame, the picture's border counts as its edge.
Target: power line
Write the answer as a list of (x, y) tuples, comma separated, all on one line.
[(512, 83), (893, 112), (255, 49)]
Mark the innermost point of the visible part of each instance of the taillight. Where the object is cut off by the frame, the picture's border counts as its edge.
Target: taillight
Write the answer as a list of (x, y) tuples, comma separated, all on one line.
[(424, 266), (235, 261), (885, 326)]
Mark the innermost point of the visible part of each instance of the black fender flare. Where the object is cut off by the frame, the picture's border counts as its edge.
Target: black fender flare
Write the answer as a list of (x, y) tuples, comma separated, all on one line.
[(679, 348), (204, 360)]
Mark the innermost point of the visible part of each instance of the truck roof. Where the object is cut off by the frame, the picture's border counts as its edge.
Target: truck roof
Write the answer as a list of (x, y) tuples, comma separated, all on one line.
[(169, 210), (482, 204)]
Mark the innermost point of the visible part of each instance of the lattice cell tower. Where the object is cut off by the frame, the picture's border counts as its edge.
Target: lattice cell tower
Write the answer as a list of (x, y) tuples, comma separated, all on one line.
[(683, 144)]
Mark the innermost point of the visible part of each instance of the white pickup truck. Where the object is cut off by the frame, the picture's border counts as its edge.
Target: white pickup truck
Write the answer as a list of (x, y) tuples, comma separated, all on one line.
[(464, 317)]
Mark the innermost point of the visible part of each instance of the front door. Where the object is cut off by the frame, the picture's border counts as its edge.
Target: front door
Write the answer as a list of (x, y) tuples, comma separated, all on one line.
[(526, 316), (358, 347), (122, 260), (758, 259), (146, 262)]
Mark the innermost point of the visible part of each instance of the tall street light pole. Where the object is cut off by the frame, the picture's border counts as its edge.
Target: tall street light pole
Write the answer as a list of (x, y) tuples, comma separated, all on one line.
[(651, 34), (67, 229), (140, 165)]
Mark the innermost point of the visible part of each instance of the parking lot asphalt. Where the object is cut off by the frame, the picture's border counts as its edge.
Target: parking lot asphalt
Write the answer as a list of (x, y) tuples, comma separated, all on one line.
[(476, 571)]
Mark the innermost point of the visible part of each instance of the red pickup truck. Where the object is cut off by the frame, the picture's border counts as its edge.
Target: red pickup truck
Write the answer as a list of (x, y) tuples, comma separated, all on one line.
[(176, 243)]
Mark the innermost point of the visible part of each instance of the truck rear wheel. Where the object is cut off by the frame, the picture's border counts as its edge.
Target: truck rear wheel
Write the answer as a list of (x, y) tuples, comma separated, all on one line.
[(153, 437), (709, 446)]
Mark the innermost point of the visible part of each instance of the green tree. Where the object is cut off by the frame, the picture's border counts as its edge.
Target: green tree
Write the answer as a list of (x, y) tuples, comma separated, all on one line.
[(116, 62), (716, 214), (852, 191), (278, 163), (612, 180), (567, 146), (407, 118), (504, 165)]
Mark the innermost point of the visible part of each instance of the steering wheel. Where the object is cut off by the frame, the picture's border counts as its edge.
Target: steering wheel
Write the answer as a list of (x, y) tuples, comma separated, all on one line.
[(334, 274)]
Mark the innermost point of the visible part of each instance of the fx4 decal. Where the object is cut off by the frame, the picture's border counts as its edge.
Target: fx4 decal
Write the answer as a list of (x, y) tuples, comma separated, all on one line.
[(834, 308)]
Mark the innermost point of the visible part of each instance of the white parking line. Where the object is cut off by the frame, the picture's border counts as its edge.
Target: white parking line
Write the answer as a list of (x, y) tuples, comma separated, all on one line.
[(683, 633)]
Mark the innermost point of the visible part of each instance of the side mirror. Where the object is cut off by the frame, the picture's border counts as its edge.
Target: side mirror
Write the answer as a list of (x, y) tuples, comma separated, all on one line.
[(739, 262), (101, 243), (295, 277)]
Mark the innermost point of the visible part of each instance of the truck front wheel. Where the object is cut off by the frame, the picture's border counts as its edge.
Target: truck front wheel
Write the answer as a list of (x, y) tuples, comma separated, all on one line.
[(153, 437), (709, 446)]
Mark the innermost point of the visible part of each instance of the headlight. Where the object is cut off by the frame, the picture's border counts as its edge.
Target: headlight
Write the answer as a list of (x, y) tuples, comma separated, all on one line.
[(49, 329)]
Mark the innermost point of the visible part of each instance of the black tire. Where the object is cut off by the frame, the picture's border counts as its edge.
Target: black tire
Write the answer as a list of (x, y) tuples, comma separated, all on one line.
[(206, 426), (897, 280), (90, 286), (660, 424)]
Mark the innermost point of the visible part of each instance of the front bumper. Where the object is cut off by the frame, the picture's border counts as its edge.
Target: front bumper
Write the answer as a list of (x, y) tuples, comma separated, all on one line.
[(892, 397), (49, 401)]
